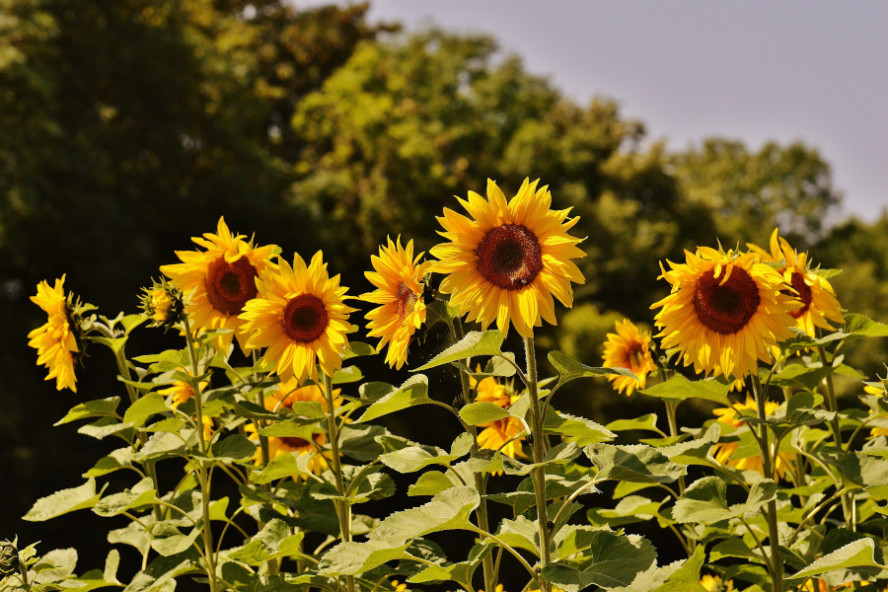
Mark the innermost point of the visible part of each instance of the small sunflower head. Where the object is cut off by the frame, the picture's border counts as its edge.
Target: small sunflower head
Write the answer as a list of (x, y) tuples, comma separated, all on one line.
[(162, 303), (9, 558)]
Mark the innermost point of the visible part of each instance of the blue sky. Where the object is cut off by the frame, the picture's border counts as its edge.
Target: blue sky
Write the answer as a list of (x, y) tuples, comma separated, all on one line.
[(755, 70)]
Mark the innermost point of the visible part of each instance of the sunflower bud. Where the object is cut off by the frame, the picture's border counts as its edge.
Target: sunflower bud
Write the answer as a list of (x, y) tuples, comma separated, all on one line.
[(162, 303), (9, 559)]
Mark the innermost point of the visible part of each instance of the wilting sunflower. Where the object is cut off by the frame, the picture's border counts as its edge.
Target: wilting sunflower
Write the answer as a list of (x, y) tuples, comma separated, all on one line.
[(179, 392), (714, 584), (629, 348), (220, 279), (496, 433), (816, 302), (300, 317), (724, 312), (507, 262), (55, 340), (288, 393), (725, 452), (398, 279)]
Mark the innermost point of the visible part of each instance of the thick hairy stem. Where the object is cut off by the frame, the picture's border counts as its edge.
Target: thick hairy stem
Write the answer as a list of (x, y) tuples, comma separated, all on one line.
[(202, 475), (538, 475), (768, 465), (487, 565), (343, 508)]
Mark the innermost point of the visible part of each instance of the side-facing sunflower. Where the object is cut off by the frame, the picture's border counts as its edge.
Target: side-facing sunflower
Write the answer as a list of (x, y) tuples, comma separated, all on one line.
[(496, 434), (220, 280), (726, 452), (724, 312), (55, 340), (398, 279), (299, 318), (816, 302), (629, 348), (507, 262), (288, 393)]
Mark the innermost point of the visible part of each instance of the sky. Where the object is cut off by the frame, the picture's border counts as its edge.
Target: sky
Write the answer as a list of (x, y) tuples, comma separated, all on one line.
[(757, 70)]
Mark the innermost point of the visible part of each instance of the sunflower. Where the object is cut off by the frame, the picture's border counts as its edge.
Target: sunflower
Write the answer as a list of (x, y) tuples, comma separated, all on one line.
[(725, 311), (629, 348), (816, 302), (496, 434), (507, 263), (288, 393), (299, 316), (725, 452), (715, 584), (220, 279), (398, 279), (179, 392), (55, 340)]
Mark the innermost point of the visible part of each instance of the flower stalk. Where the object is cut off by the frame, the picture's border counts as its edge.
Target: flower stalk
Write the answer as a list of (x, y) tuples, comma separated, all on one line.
[(768, 466), (343, 507), (538, 475)]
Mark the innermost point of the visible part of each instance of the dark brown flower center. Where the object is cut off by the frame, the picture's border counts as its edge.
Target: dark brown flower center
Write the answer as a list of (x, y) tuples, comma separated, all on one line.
[(509, 256), (294, 441), (406, 301), (634, 357), (305, 318), (726, 307), (230, 285), (804, 294)]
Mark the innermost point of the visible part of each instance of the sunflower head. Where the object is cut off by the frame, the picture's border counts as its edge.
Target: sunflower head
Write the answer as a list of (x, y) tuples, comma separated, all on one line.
[(398, 277), (724, 312), (58, 340), (726, 452), (629, 348), (300, 319), (506, 262), (500, 434), (715, 584), (162, 303), (219, 279), (816, 302), (289, 393)]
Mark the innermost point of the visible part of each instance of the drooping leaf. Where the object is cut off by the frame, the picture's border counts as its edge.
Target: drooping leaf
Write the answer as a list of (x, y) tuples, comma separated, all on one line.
[(680, 388), (141, 494), (638, 463), (413, 392), (475, 343), (95, 408), (615, 561), (859, 553), (576, 429), (356, 558), (482, 412), (64, 501), (146, 406), (449, 510)]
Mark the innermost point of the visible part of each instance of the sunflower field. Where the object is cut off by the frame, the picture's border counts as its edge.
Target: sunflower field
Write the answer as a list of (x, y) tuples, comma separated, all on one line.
[(256, 455)]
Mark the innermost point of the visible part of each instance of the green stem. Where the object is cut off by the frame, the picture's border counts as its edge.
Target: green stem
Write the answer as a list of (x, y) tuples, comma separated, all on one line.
[(343, 507), (538, 475), (768, 466), (848, 507), (487, 565), (203, 480)]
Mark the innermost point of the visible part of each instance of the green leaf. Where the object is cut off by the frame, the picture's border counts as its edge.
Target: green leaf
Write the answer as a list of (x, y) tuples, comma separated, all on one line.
[(118, 459), (704, 502), (235, 447), (360, 441), (680, 388), (853, 555), (167, 540), (431, 483), (145, 407), (161, 445), (569, 369), (358, 348), (356, 558), (282, 466), (449, 510), (482, 412), (645, 422), (96, 408), (630, 509), (519, 533), (415, 458), (141, 494), (347, 375), (413, 392), (576, 429), (288, 429), (64, 501), (475, 343), (858, 325), (273, 541), (686, 575), (637, 463), (615, 560)]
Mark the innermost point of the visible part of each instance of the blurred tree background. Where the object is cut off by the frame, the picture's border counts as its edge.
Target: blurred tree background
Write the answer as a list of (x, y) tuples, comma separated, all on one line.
[(128, 127)]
